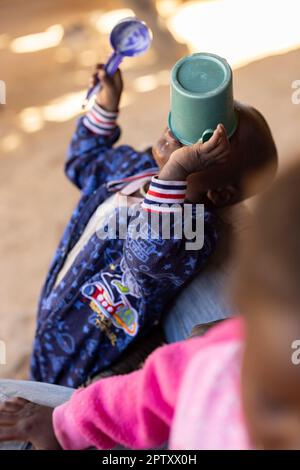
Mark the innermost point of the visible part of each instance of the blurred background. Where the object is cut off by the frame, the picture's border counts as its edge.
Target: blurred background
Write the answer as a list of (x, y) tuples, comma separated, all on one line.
[(47, 52)]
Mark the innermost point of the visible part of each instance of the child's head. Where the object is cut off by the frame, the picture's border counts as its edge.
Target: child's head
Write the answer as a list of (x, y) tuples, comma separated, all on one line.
[(253, 153), (267, 292)]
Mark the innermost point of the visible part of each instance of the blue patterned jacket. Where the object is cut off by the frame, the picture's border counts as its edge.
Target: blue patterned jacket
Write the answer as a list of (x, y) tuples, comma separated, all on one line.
[(116, 289)]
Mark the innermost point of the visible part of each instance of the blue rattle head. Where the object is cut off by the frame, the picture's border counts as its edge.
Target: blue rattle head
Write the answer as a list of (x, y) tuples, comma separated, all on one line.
[(131, 37)]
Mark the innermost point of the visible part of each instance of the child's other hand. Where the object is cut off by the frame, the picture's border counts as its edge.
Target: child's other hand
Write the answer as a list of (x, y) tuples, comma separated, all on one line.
[(112, 86), (165, 146), (22, 420), (198, 157)]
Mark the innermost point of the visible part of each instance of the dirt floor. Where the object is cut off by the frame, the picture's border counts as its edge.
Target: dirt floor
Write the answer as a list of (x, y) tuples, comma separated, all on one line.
[(35, 198)]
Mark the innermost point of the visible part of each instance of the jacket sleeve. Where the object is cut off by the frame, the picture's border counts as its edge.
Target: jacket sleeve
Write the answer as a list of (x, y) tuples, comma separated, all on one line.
[(168, 241), (134, 410), (91, 157)]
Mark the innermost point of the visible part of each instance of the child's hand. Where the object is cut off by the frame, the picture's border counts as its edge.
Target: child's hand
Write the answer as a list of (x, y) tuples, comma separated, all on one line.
[(198, 157), (112, 86), (21, 420)]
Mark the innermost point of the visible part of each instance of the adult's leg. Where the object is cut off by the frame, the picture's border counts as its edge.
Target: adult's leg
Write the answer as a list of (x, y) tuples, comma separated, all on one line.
[(37, 392)]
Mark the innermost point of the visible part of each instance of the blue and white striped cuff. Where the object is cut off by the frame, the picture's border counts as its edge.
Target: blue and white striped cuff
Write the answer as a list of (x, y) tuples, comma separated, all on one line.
[(100, 121), (165, 196)]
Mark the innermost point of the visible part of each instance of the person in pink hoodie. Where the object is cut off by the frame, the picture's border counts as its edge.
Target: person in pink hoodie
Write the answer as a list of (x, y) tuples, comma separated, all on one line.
[(237, 387)]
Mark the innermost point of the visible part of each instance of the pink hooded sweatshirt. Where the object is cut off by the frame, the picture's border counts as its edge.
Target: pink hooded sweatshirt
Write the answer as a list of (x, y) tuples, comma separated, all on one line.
[(187, 394)]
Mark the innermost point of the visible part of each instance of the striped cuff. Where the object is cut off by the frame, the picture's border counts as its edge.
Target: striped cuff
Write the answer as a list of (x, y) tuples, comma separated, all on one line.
[(99, 121), (164, 196)]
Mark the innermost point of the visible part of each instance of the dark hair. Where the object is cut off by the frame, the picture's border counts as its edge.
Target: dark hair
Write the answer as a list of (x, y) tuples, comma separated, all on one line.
[(258, 158)]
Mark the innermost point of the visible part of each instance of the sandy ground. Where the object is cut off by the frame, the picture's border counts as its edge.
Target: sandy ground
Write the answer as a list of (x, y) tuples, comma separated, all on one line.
[(35, 198)]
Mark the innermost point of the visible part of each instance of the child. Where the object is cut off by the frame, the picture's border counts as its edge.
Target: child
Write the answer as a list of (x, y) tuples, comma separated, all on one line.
[(102, 294), (237, 387)]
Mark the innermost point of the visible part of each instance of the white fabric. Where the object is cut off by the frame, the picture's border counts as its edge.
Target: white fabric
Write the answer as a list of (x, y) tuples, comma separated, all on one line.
[(98, 220)]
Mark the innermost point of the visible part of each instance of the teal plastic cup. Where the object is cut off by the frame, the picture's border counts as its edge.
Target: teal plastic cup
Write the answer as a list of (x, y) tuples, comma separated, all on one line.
[(201, 98)]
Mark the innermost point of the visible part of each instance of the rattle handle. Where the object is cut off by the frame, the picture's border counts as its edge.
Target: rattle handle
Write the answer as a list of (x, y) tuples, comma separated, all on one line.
[(110, 68), (113, 63)]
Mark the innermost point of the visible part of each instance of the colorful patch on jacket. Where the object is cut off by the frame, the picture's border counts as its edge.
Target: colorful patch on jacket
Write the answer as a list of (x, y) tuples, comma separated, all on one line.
[(118, 310)]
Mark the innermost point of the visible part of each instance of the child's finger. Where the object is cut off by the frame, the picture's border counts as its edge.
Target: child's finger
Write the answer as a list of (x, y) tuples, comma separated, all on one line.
[(223, 133), (10, 414), (10, 408), (102, 75), (222, 147), (8, 419), (213, 141), (118, 77), (93, 80), (110, 80), (201, 148), (98, 69), (10, 433), (219, 153), (13, 404), (218, 143), (106, 80)]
